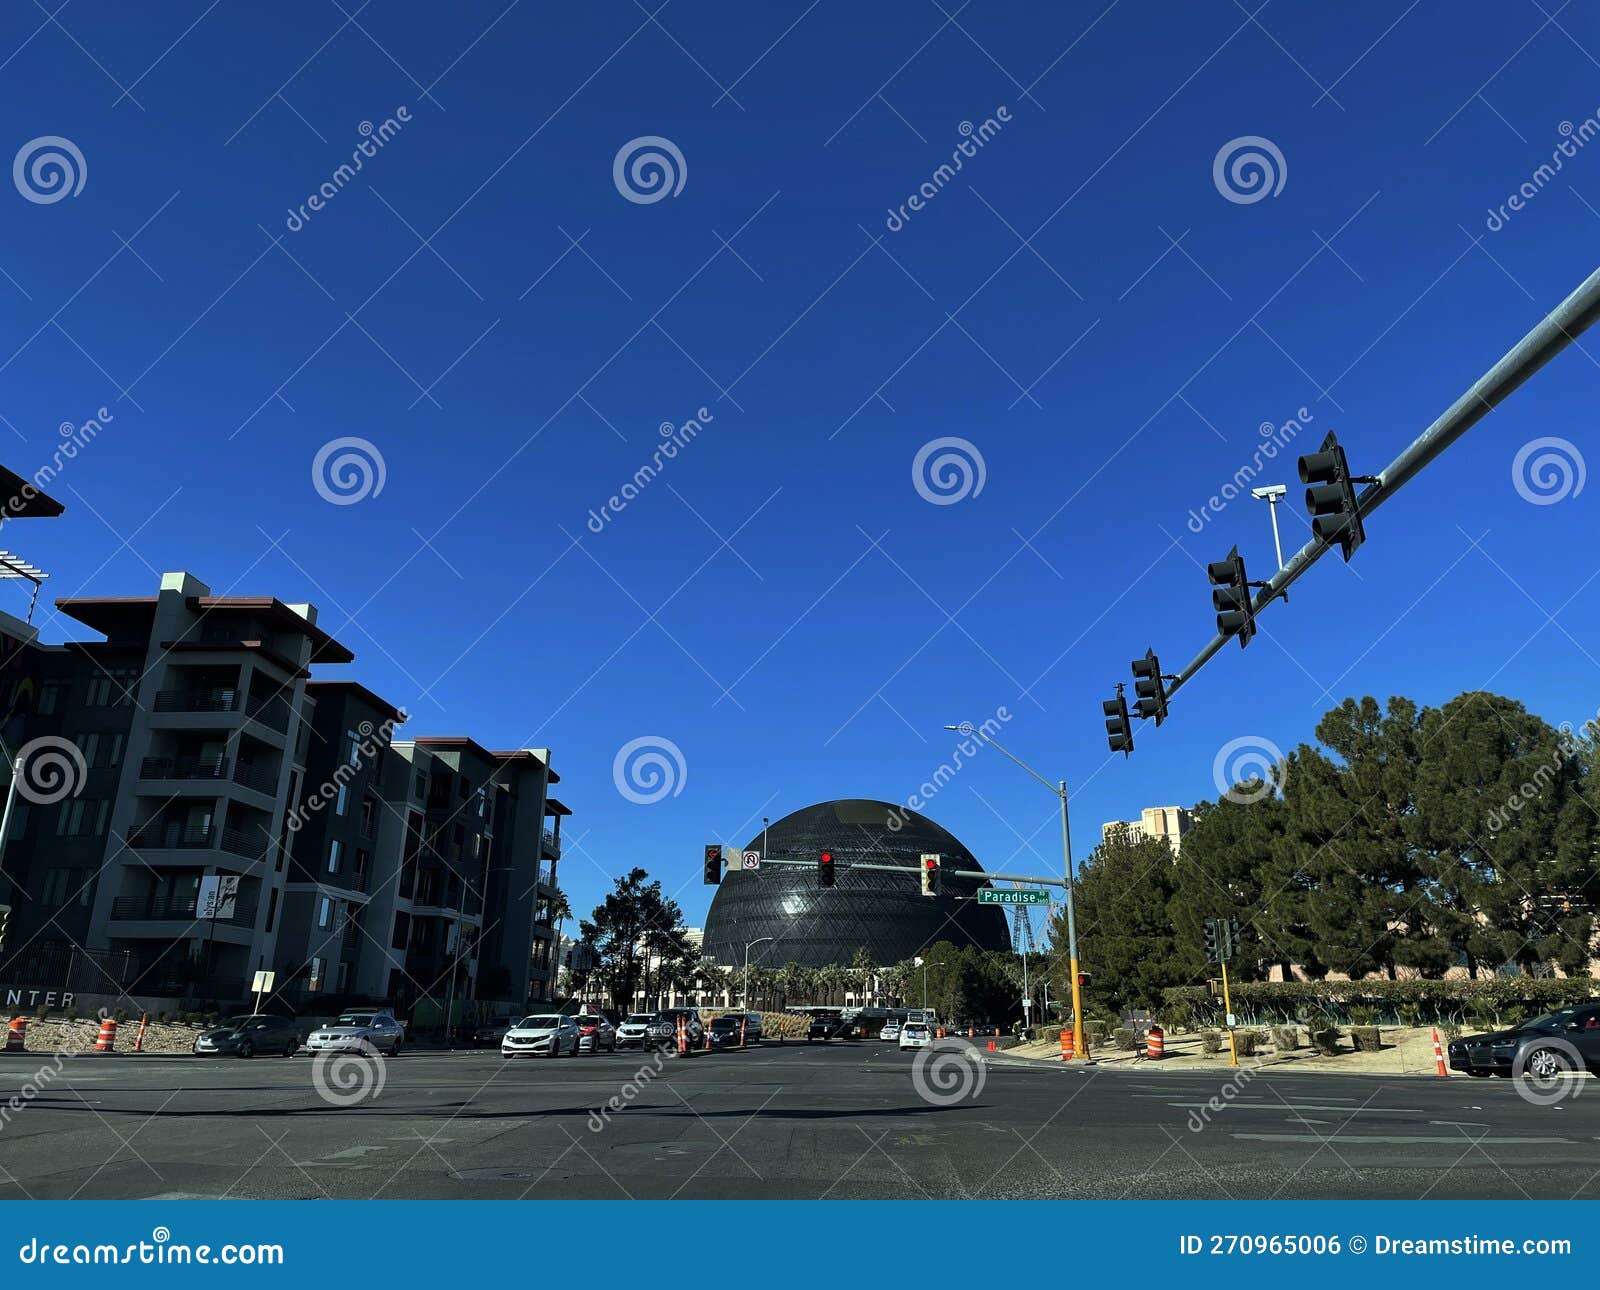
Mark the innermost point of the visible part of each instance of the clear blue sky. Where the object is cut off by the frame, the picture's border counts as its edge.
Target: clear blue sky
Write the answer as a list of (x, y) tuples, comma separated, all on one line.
[(780, 602)]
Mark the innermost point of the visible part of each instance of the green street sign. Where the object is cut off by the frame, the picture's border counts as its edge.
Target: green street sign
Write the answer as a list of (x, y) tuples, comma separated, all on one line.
[(996, 896)]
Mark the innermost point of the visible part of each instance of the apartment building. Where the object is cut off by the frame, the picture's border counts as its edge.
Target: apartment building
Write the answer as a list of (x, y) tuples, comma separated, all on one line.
[(229, 813)]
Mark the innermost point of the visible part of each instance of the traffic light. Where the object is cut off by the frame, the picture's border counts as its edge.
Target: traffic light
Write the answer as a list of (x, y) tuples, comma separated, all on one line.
[(1150, 686), (1213, 940), (1231, 599), (1119, 732), (1230, 927), (1335, 517), (930, 875), (713, 864), (1083, 980), (825, 869)]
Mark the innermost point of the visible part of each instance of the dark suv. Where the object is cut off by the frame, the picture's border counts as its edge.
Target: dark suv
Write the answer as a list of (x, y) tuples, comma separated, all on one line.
[(663, 1029), (825, 1026)]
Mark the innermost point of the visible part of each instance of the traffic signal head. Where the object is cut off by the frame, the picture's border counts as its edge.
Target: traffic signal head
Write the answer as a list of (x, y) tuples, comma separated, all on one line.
[(1213, 941), (825, 869), (1150, 688), (1119, 732), (713, 864), (930, 875), (1331, 499), (1231, 597)]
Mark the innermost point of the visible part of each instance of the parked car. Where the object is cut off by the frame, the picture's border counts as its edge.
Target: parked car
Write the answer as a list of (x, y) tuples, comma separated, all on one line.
[(915, 1034), (752, 1030), (733, 1030), (490, 1033), (246, 1036), (547, 1033), (1544, 1048), (663, 1028), (635, 1030), (824, 1026), (364, 1031), (595, 1032), (890, 1031)]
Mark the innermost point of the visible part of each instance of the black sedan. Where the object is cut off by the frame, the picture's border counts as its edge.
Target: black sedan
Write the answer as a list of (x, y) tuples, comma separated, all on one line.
[(1543, 1048), (727, 1032), (247, 1036)]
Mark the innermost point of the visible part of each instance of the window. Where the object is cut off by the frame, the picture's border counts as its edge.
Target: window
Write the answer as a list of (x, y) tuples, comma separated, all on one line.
[(422, 784), (335, 853), (362, 861), (53, 891), (83, 817), (340, 800), (402, 931), (272, 907), (324, 913), (369, 816), (49, 698), (113, 689)]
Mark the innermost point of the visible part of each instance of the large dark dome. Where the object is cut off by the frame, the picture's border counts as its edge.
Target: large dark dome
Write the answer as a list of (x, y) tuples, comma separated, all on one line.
[(883, 913)]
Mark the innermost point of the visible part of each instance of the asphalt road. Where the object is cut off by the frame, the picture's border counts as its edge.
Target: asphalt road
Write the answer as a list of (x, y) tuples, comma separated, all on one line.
[(842, 1120)]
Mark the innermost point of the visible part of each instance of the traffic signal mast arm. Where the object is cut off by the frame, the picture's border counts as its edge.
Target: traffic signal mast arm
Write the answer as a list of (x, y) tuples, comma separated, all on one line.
[(913, 871), (1564, 324)]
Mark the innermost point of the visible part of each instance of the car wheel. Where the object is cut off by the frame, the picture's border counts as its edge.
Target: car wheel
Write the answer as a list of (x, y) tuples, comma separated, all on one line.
[(246, 1048), (1548, 1064), (1478, 1074), (291, 1048), (395, 1051)]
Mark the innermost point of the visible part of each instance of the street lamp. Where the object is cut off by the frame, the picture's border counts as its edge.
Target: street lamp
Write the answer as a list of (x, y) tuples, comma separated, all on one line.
[(923, 964), (1060, 790), (744, 991)]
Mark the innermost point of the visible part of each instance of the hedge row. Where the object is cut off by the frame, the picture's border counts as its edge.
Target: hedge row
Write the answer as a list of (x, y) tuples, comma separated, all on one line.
[(1429, 1000)]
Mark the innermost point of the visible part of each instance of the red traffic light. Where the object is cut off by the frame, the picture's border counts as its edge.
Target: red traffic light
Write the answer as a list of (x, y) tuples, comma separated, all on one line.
[(825, 869)]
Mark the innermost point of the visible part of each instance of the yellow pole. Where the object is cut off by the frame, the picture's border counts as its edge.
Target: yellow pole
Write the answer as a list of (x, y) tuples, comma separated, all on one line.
[(1080, 1043), (1227, 1004)]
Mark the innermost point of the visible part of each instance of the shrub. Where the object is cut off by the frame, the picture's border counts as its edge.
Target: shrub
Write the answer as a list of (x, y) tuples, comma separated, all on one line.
[(1286, 1038), (1244, 1042), (1125, 1038), (1368, 1039), (1449, 1030), (1326, 1041), (41, 1012), (1410, 1014), (1210, 1042), (1363, 1014), (1178, 1015)]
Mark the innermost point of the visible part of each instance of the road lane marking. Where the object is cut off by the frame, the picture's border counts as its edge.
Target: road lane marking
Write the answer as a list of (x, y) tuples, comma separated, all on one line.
[(1393, 1139)]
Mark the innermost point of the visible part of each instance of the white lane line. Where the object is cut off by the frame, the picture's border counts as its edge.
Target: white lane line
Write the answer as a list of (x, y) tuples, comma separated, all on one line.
[(1307, 1106), (1393, 1139)]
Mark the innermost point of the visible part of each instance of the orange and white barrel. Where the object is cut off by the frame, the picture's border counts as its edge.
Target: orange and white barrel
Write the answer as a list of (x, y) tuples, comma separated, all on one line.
[(107, 1042), (1068, 1049), (17, 1035), (1155, 1044)]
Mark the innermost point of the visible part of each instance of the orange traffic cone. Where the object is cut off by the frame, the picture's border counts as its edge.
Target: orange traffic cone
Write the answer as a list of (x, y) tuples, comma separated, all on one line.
[(1438, 1056)]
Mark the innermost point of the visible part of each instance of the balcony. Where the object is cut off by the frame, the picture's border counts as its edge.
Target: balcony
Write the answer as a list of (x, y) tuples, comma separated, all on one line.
[(164, 907), (171, 836), (217, 700), (249, 775), (552, 843), (271, 712), (183, 768), (252, 846)]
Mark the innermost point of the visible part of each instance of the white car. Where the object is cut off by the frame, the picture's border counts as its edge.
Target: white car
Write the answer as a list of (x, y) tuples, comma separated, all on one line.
[(915, 1034), (890, 1031), (635, 1030), (368, 1031), (548, 1034)]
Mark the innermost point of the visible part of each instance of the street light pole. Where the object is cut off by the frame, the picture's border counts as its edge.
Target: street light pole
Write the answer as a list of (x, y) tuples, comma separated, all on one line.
[(744, 991), (1060, 790)]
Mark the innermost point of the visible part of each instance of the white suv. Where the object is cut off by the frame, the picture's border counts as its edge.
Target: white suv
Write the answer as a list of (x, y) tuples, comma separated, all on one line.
[(635, 1030), (915, 1034)]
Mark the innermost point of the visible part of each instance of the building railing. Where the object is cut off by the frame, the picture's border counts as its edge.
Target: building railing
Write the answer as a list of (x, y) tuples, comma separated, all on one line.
[(209, 700), (252, 846), (183, 768), (171, 836), (271, 712), (551, 842), (249, 775), (163, 908)]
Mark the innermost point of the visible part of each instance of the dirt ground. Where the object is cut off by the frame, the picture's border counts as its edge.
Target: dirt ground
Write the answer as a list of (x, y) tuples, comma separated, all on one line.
[(1406, 1051), (55, 1036)]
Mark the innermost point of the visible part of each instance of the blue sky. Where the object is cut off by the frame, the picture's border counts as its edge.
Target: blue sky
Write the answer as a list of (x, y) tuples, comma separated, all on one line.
[(1081, 303)]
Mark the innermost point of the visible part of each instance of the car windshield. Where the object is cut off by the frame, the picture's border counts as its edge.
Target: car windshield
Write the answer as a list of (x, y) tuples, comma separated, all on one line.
[(355, 1019), (589, 1023), (1548, 1020), (233, 1023), (545, 1021), (724, 1023), (640, 1018)]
